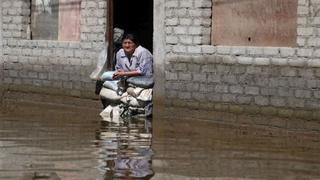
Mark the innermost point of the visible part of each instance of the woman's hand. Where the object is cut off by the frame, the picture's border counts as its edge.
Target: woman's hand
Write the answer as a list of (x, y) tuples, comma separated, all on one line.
[(120, 73)]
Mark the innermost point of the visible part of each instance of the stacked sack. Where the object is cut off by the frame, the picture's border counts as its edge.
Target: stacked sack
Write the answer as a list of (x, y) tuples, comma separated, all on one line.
[(126, 97)]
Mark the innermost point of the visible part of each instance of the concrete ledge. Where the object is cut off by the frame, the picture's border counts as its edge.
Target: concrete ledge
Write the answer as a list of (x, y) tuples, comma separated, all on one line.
[(205, 108), (245, 59)]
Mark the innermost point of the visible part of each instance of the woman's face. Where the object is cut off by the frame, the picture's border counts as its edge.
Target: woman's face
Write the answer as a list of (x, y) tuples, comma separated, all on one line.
[(128, 46)]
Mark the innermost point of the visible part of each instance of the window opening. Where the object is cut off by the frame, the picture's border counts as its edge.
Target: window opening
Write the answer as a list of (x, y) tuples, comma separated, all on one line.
[(254, 23), (55, 20)]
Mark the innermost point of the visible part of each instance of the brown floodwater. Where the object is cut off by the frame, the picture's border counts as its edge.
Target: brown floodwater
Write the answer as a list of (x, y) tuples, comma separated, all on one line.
[(54, 137)]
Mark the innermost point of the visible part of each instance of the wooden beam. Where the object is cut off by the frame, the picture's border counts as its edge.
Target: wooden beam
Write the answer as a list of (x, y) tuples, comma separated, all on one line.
[(109, 34)]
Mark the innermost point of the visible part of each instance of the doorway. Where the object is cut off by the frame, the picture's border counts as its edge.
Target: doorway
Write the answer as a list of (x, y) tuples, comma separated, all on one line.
[(137, 17)]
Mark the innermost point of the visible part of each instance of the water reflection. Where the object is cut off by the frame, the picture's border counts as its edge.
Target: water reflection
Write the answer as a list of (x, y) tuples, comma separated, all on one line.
[(126, 149), (45, 140)]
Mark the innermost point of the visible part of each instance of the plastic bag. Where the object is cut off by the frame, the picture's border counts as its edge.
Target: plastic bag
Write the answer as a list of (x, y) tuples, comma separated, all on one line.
[(102, 60)]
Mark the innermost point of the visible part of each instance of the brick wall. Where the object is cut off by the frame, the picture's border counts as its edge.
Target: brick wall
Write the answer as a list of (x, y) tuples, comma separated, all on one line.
[(60, 67), (188, 25), (271, 80), (276, 80), (1, 54)]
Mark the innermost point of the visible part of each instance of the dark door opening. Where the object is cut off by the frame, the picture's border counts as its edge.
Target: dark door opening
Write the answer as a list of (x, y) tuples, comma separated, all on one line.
[(135, 16)]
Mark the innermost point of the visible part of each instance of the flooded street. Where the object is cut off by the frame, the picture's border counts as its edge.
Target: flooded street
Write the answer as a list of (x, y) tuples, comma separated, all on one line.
[(189, 148), (46, 137)]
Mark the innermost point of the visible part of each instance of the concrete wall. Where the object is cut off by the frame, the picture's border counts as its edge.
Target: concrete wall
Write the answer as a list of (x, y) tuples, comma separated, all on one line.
[(1, 54), (269, 80), (57, 66)]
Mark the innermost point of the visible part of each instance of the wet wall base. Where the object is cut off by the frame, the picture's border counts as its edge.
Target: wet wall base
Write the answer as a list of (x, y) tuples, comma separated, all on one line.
[(222, 83)]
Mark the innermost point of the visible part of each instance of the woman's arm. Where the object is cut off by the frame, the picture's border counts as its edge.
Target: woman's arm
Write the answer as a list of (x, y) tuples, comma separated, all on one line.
[(121, 73)]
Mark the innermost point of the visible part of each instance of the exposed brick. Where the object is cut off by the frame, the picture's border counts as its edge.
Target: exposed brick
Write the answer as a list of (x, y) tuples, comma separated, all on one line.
[(303, 93), (200, 77), (228, 98), (296, 103), (278, 102), (251, 90), (236, 89), (184, 76), (199, 97), (261, 100), (221, 89)]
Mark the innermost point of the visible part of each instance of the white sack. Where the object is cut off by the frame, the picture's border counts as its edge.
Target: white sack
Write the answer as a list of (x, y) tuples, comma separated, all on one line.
[(109, 94), (131, 101), (113, 85), (145, 95), (111, 114)]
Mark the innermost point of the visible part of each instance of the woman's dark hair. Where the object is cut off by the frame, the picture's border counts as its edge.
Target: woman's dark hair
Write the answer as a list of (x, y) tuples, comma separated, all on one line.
[(133, 37)]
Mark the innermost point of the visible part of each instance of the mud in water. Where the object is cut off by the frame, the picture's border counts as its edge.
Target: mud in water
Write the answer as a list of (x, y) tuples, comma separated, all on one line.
[(54, 137)]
